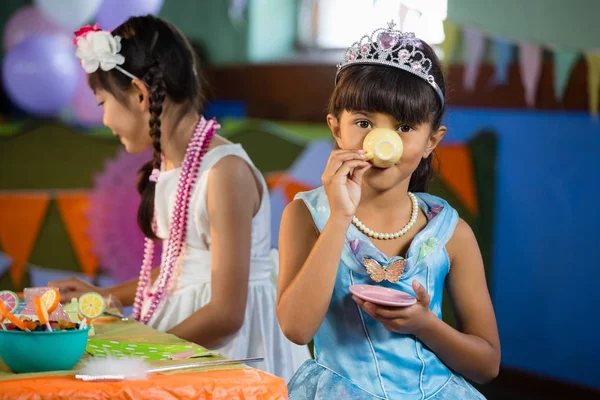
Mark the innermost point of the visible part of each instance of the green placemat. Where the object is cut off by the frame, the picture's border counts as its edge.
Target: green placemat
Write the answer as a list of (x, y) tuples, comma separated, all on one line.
[(154, 352)]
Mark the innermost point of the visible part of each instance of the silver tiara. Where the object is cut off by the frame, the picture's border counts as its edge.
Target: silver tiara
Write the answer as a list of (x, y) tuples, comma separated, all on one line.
[(391, 47)]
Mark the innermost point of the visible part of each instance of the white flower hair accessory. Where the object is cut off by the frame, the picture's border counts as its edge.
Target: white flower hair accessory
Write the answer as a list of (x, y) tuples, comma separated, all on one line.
[(99, 49)]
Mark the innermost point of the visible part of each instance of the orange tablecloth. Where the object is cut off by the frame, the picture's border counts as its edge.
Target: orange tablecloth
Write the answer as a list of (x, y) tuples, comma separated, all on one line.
[(223, 382), (234, 384)]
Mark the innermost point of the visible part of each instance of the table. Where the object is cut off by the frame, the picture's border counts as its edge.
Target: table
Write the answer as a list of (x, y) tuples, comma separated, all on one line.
[(218, 382)]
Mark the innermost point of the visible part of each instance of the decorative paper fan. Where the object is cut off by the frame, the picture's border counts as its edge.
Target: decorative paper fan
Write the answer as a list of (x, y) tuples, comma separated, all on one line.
[(116, 237)]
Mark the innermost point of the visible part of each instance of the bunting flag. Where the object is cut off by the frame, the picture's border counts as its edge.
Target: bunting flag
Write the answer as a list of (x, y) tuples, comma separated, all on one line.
[(73, 208), (403, 13), (530, 63), (287, 184), (5, 263), (21, 216), (593, 63), (456, 170), (474, 42), (502, 58), (563, 64), (451, 36)]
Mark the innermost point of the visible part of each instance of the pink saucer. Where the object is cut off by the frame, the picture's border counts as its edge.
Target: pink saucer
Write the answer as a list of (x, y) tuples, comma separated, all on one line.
[(382, 296)]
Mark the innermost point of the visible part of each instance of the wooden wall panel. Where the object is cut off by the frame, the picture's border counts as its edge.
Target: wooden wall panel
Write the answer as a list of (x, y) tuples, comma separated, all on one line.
[(299, 92)]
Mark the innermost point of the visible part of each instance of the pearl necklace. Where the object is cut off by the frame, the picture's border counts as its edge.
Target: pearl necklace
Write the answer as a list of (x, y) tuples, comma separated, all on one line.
[(197, 147), (395, 235)]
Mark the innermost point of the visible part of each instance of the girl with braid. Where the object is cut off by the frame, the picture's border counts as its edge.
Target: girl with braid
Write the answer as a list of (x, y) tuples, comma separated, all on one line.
[(200, 194)]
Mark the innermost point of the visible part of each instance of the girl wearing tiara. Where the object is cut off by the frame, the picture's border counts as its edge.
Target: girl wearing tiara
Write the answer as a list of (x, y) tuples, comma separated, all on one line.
[(200, 194), (378, 227)]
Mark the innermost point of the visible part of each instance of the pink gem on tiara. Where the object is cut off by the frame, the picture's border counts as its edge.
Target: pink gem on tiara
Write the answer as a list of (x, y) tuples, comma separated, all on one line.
[(404, 55), (365, 49), (387, 41), (416, 66)]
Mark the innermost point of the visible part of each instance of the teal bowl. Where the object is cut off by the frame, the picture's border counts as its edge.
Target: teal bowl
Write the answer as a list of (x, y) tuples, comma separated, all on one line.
[(42, 351)]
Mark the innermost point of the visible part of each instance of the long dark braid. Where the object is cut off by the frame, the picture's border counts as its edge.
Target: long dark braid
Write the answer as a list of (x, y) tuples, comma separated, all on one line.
[(155, 82)]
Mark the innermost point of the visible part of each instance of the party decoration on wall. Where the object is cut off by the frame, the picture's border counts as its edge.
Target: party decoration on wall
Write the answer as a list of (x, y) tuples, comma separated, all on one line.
[(279, 200), (456, 171), (502, 57), (563, 65), (237, 9), (593, 63), (530, 57), (25, 22), (403, 14), (40, 74), (451, 36), (116, 237), (113, 13), (73, 208), (303, 175), (474, 44), (21, 216), (69, 14), (5, 263), (310, 164)]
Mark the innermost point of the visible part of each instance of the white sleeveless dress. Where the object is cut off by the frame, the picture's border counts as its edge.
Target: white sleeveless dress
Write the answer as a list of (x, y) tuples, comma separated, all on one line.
[(260, 335)]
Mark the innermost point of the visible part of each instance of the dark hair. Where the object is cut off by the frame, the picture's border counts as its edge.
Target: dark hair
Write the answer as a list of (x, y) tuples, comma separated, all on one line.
[(160, 55), (407, 97)]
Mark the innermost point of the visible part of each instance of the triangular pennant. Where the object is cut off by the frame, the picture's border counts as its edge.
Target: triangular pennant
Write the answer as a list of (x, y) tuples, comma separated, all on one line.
[(73, 208), (403, 13), (563, 64), (530, 63), (273, 179), (474, 42), (5, 263), (593, 64), (293, 187), (502, 59), (21, 216), (456, 170), (451, 33), (287, 184)]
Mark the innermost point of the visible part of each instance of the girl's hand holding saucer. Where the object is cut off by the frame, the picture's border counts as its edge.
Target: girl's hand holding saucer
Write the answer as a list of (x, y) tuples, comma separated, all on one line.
[(409, 320)]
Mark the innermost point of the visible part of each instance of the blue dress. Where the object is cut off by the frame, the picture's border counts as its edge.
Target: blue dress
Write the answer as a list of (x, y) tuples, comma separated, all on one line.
[(356, 357)]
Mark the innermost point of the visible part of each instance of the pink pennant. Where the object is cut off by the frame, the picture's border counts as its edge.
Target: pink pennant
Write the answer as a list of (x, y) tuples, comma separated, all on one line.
[(474, 44), (530, 62), (403, 12)]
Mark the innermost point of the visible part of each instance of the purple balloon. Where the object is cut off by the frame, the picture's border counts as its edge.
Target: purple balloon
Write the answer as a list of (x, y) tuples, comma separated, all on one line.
[(27, 21), (84, 104), (40, 73), (113, 13)]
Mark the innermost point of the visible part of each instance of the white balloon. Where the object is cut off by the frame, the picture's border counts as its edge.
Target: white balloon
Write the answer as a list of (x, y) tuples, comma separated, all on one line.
[(70, 14)]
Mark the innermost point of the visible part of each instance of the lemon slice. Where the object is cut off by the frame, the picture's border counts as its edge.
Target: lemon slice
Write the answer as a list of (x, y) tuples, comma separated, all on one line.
[(91, 305)]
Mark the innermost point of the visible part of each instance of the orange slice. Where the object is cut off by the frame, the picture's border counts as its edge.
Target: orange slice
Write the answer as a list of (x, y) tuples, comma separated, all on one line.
[(51, 298), (8, 315), (41, 310), (82, 318)]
